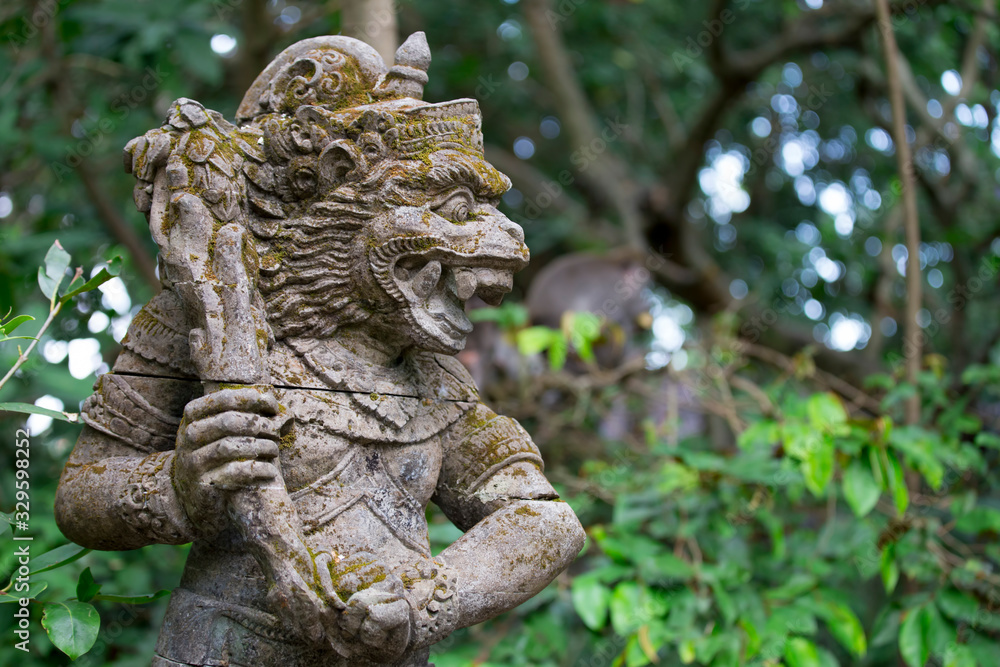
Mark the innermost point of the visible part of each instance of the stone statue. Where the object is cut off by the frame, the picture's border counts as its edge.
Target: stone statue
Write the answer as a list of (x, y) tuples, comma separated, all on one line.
[(289, 402)]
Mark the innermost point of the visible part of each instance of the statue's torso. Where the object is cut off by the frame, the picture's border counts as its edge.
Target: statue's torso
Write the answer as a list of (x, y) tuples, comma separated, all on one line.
[(360, 469)]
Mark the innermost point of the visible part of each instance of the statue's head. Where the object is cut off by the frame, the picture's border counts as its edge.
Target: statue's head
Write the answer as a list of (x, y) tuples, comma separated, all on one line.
[(370, 207)]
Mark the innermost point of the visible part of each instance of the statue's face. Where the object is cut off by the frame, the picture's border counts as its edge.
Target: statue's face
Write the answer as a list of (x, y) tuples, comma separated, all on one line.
[(434, 255)]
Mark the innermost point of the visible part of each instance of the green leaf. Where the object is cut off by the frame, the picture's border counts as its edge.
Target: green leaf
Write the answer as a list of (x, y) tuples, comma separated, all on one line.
[(776, 530), (35, 588), (58, 557), (979, 520), (72, 626), (796, 618), (957, 605), (889, 568), (984, 650), (800, 652), (591, 599), (73, 284), (535, 339), (15, 322), (897, 484), (825, 410), (686, 651), (987, 439), (625, 608), (113, 269), (793, 587), (674, 476), (585, 349), (980, 373), (634, 654), (860, 489), (86, 587), (132, 599), (52, 273), (583, 329), (30, 409), (799, 439), (508, 316), (759, 434), (920, 447), (753, 637), (724, 601), (558, 351), (939, 631), (668, 566), (922, 633), (958, 655), (817, 467), (912, 644), (845, 626)]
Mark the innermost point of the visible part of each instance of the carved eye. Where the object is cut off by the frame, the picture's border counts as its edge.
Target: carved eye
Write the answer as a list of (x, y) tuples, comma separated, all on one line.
[(456, 208), (304, 182)]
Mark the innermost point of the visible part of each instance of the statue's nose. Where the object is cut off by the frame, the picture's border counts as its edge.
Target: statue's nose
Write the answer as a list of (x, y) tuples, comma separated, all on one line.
[(513, 229)]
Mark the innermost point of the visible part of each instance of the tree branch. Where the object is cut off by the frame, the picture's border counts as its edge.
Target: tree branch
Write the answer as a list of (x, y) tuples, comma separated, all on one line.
[(882, 292), (913, 336), (259, 34), (529, 181), (113, 219), (120, 229), (970, 66), (605, 175), (857, 397)]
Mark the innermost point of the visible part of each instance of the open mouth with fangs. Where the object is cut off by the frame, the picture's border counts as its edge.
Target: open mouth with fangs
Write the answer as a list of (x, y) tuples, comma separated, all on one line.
[(437, 292)]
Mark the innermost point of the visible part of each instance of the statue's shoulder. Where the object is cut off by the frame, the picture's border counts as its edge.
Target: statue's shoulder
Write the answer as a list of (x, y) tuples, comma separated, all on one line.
[(448, 379), (157, 340)]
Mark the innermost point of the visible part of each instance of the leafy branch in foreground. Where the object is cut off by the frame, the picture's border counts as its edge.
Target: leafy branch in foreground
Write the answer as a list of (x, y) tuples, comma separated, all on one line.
[(72, 625), (50, 278)]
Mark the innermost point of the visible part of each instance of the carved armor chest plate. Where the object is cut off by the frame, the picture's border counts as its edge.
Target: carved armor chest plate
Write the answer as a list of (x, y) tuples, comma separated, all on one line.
[(336, 473)]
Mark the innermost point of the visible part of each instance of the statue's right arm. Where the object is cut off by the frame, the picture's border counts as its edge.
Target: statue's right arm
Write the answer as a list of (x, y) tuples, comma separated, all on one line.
[(116, 491)]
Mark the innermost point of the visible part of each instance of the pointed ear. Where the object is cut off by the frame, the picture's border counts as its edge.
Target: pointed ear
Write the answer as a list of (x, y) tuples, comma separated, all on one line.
[(341, 162)]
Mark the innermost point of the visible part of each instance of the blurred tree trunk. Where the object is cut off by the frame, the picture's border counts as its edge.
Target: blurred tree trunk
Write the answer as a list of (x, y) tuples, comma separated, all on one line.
[(912, 335), (373, 21)]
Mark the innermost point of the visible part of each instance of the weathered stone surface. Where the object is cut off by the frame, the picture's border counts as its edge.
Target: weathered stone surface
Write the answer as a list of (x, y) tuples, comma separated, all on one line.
[(289, 401)]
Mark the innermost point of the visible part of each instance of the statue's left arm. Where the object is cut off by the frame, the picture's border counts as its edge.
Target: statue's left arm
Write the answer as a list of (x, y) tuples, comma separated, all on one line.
[(518, 534)]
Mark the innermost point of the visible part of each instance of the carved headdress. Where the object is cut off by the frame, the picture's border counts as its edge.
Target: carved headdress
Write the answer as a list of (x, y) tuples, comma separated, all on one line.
[(328, 139)]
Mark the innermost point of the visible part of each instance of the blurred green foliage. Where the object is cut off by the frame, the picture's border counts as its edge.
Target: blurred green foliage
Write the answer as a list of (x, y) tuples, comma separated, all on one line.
[(799, 527)]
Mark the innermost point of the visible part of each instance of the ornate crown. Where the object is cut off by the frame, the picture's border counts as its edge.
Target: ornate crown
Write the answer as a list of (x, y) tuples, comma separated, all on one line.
[(342, 86)]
